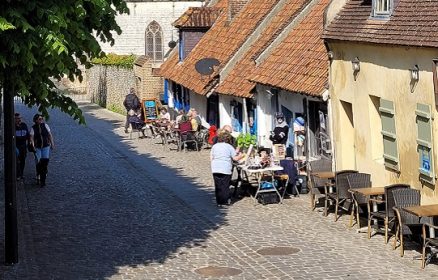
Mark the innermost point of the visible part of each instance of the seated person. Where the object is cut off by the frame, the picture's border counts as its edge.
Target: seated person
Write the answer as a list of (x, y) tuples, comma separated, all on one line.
[(164, 115), (185, 125), (186, 131), (194, 119), (136, 122)]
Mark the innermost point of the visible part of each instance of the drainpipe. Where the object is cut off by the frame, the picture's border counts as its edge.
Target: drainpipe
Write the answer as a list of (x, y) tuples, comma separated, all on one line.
[(329, 104), (245, 117)]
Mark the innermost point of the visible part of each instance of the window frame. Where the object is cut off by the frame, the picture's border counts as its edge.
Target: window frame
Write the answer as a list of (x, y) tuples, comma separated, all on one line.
[(154, 32), (382, 14)]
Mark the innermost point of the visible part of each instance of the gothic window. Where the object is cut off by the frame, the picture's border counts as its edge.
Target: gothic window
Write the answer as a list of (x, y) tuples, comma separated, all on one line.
[(154, 42)]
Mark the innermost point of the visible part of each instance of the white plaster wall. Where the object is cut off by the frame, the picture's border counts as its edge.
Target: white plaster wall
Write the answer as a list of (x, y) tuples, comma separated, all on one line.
[(225, 109), (265, 114), (199, 102), (132, 39)]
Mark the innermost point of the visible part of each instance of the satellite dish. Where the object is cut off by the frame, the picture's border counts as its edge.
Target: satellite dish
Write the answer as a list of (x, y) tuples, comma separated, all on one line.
[(205, 66)]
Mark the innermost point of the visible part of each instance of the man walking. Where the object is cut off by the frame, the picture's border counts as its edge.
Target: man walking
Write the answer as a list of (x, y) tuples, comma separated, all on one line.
[(21, 141), (131, 103)]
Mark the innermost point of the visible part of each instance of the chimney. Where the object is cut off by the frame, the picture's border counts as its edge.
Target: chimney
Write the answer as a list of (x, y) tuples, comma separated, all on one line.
[(234, 7)]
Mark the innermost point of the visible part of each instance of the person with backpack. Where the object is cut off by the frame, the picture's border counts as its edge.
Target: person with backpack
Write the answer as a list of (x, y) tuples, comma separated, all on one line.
[(131, 102)]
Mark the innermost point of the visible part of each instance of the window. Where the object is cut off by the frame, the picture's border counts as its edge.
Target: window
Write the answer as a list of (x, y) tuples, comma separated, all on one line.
[(382, 8), (390, 152), (154, 42), (424, 142)]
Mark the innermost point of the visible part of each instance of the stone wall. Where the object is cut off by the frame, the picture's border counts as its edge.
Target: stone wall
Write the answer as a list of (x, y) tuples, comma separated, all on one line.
[(132, 39), (108, 86)]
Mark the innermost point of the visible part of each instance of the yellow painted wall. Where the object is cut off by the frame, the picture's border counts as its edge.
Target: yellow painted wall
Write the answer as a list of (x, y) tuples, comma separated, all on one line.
[(384, 73)]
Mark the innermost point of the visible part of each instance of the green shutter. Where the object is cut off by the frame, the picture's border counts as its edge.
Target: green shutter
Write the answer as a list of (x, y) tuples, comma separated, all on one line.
[(390, 152), (424, 142)]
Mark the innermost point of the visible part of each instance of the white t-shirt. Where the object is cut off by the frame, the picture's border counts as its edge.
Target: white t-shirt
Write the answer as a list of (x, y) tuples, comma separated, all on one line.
[(32, 133), (222, 158), (165, 116)]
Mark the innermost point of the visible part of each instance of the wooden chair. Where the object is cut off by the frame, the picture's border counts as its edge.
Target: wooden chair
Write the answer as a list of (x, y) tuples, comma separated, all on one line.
[(387, 215), (358, 180), (428, 242), (341, 193), (316, 185), (406, 222)]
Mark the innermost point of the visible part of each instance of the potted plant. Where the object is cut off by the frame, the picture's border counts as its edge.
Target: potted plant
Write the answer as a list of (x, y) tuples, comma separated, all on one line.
[(244, 140)]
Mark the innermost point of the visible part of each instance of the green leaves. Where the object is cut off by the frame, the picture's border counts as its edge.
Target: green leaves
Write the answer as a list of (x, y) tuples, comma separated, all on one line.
[(245, 140), (40, 41), (5, 25)]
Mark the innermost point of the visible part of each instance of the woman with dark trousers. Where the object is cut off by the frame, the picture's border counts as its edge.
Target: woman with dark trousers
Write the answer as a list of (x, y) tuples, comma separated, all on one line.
[(21, 141), (222, 155), (42, 140)]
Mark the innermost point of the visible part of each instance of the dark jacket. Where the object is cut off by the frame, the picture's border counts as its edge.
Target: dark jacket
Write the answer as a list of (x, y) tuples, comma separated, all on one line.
[(280, 135), (21, 136), (41, 135), (131, 102)]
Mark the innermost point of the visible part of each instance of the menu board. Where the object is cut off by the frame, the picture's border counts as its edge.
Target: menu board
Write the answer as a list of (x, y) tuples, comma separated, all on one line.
[(150, 109)]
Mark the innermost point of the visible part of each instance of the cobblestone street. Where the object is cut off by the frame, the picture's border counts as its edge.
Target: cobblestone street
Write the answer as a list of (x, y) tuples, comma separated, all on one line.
[(115, 208)]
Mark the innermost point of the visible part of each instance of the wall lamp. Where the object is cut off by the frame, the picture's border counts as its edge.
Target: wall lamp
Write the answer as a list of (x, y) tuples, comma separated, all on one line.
[(415, 77), (355, 64), (415, 73)]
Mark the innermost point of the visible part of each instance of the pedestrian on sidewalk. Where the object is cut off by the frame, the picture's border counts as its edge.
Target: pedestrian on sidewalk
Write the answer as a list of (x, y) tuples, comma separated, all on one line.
[(41, 140), (22, 138), (222, 155), (131, 102)]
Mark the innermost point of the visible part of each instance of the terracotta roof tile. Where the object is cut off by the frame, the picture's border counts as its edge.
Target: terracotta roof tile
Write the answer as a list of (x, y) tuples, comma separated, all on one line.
[(299, 62), (413, 23), (236, 82), (196, 17), (220, 42)]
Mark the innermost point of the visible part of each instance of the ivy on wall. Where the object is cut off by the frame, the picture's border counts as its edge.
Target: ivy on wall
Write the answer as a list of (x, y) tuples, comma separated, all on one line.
[(125, 61)]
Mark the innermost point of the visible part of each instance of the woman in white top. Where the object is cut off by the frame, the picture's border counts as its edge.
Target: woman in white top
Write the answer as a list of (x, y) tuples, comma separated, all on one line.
[(222, 155)]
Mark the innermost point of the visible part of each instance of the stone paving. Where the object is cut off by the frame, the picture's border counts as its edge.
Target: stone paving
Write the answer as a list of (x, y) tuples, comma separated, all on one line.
[(116, 208)]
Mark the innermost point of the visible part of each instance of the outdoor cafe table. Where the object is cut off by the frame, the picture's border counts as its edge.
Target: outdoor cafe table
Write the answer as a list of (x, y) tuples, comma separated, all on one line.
[(329, 175), (258, 173), (324, 174), (369, 192), (424, 211)]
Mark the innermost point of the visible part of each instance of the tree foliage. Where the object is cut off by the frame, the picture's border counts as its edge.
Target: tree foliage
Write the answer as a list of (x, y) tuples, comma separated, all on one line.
[(42, 40)]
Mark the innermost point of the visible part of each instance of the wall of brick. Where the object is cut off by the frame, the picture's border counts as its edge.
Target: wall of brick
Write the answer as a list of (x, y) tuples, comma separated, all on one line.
[(132, 39), (108, 86), (191, 38), (149, 83)]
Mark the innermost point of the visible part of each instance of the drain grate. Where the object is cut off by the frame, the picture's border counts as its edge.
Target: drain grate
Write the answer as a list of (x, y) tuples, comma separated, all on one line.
[(278, 251), (218, 271)]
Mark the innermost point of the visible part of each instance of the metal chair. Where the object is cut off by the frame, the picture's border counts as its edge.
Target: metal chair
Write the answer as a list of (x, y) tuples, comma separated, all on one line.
[(358, 180), (188, 137), (387, 215), (406, 221), (316, 185), (341, 193), (428, 242)]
